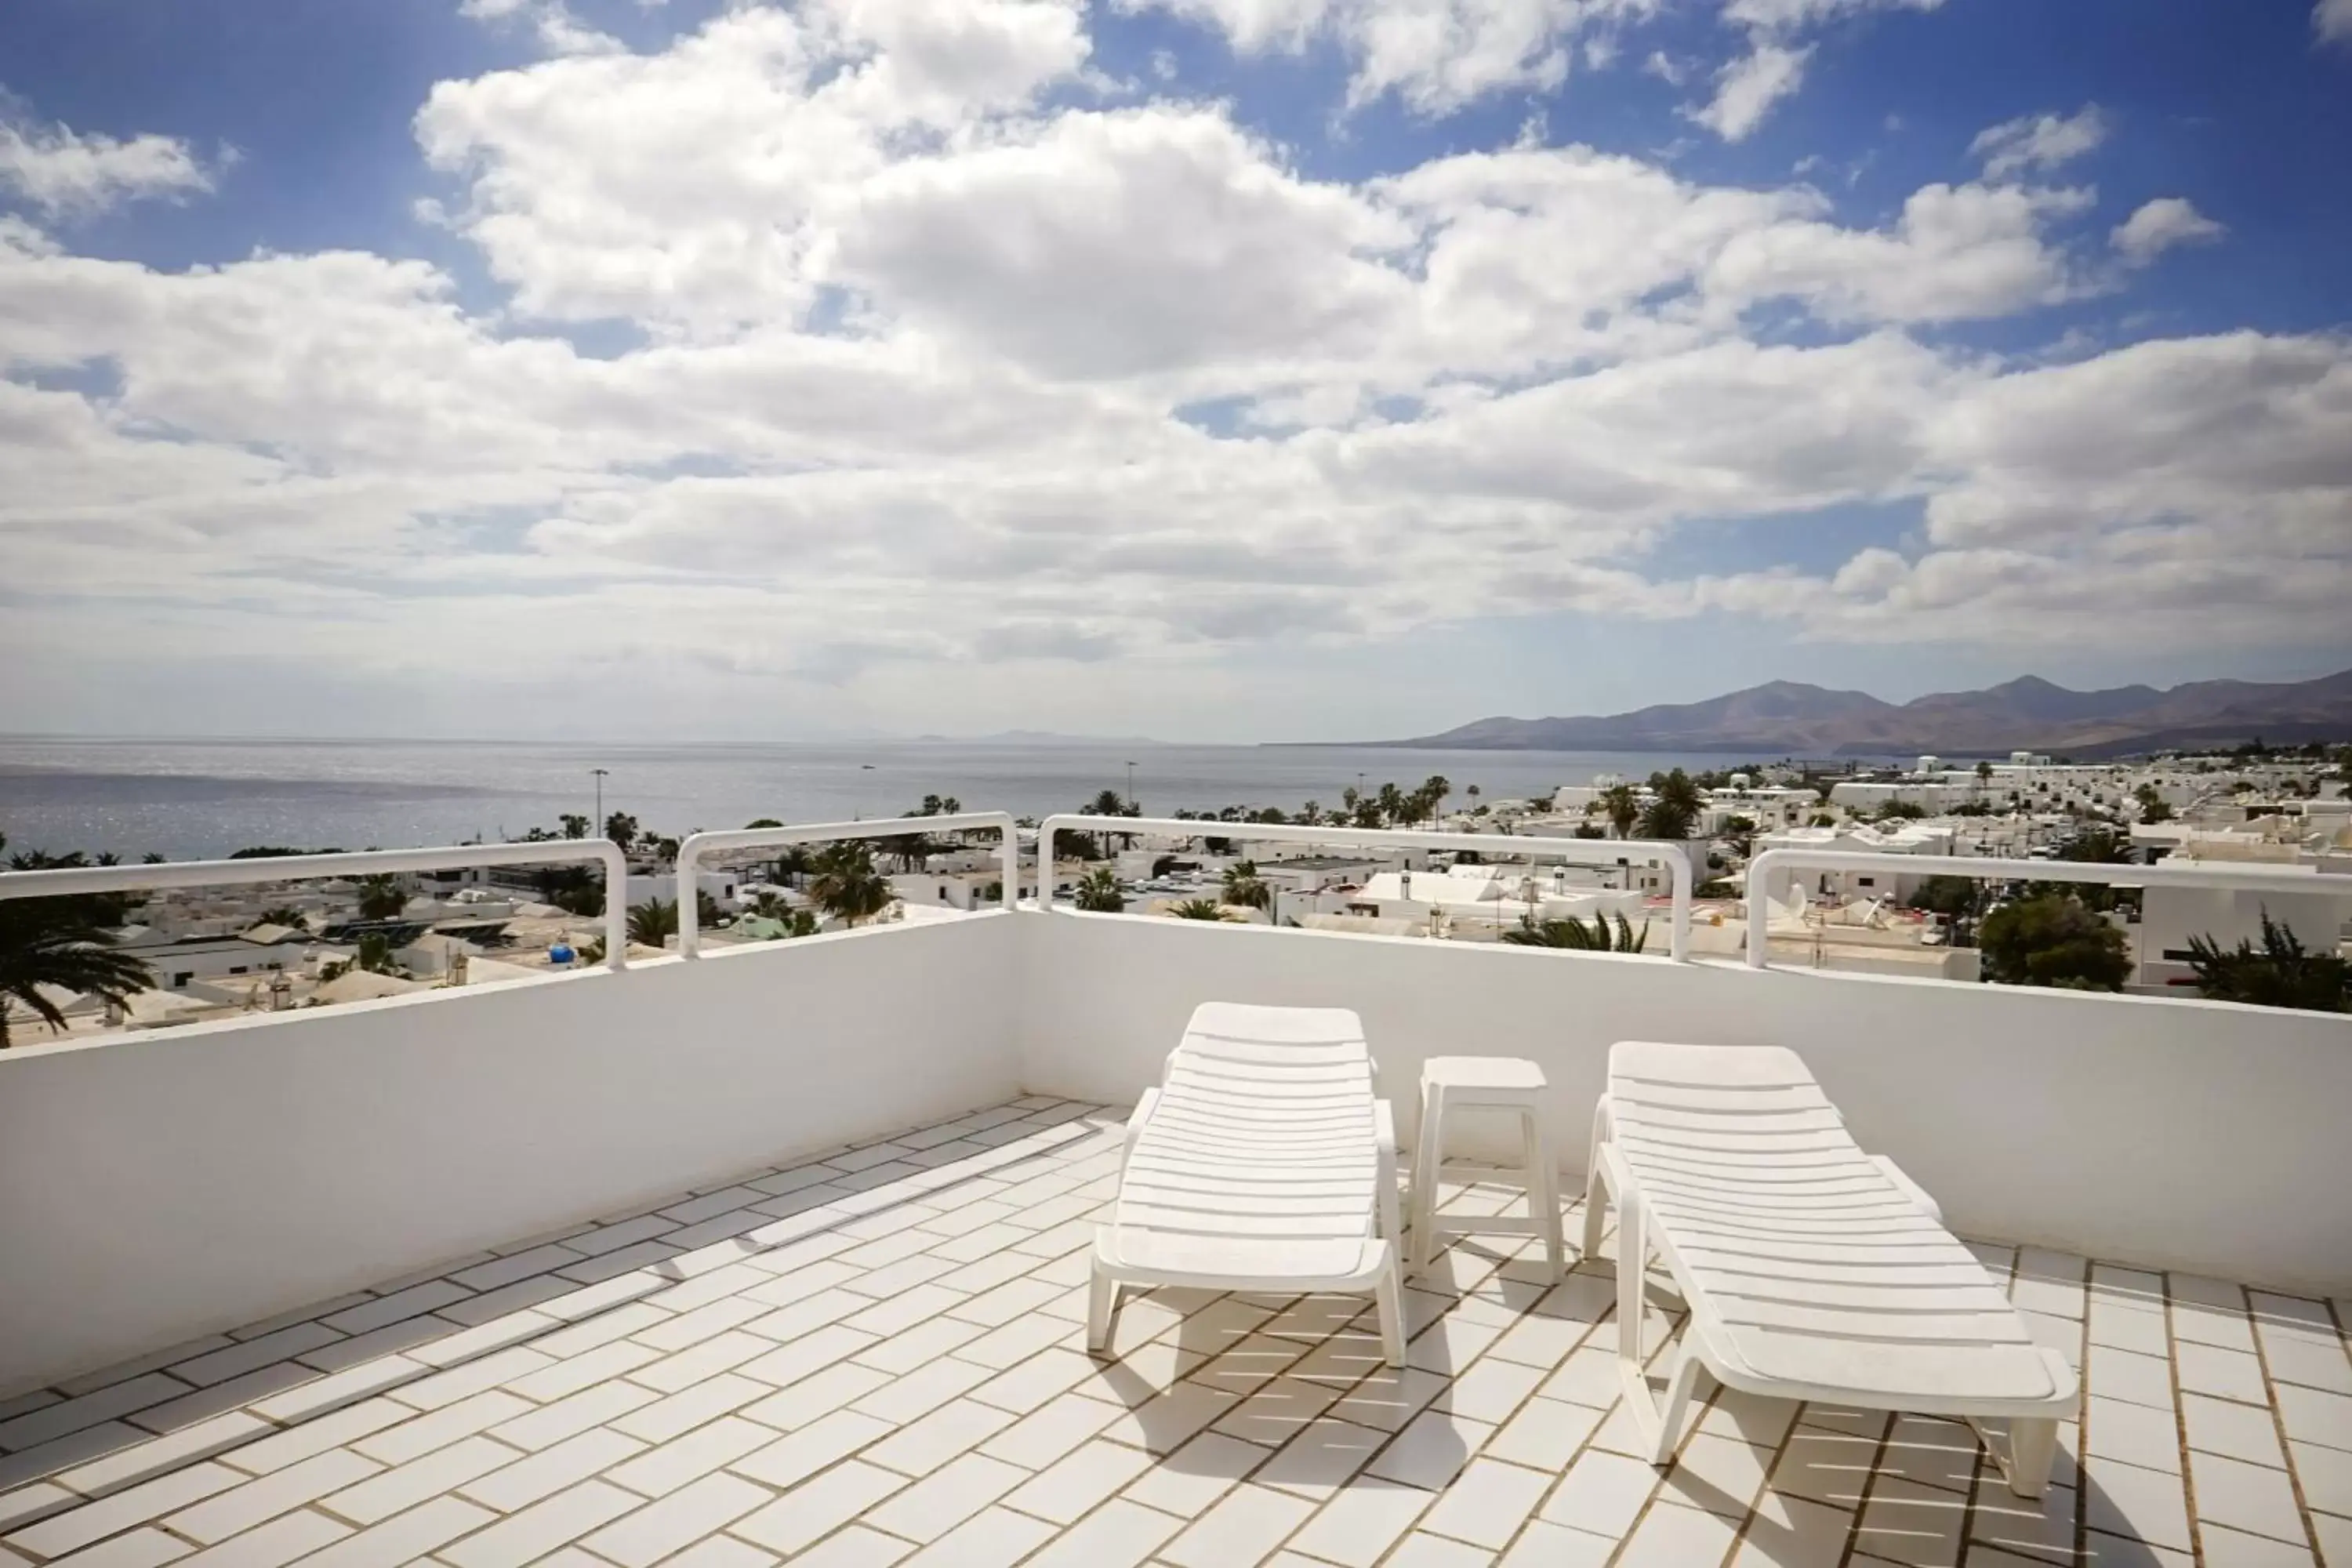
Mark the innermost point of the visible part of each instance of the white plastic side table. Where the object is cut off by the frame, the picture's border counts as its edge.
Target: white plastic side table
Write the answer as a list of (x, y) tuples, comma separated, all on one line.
[(1485, 1083)]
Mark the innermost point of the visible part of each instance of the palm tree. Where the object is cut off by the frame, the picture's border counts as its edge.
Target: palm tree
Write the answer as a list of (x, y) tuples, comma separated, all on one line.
[(57, 942), (576, 824), (1098, 892), (1666, 818), (1244, 888), (913, 851), (1435, 789), (1392, 805), (1108, 803), (1474, 799), (793, 864), (769, 906), (1198, 910), (653, 923), (847, 885), (1618, 802), (380, 898), (1575, 934), (620, 828)]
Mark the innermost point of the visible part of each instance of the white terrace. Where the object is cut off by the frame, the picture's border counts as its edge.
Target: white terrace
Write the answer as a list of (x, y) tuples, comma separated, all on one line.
[(712, 1261)]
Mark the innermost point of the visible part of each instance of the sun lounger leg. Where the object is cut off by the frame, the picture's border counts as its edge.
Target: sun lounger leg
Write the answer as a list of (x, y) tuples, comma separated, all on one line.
[(1596, 1186), (1102, 1309), (2033, 1448), (1392, 1312), (1392, 1227)]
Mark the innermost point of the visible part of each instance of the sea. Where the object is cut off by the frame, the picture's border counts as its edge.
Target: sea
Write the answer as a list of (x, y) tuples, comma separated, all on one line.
[(190, 799)]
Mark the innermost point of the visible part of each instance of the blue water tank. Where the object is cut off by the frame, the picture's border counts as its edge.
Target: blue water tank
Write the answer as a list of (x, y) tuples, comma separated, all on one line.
[(561, 953)]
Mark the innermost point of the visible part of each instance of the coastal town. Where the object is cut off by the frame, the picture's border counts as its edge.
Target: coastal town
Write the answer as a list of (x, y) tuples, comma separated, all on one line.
[(186, 955)]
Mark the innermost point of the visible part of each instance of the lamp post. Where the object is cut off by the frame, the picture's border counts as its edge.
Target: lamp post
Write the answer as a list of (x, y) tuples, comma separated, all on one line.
[(1130, 785), (596, 822)]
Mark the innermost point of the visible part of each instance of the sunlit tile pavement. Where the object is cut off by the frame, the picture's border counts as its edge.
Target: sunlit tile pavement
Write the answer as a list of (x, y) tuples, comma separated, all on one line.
[(877, 1357)]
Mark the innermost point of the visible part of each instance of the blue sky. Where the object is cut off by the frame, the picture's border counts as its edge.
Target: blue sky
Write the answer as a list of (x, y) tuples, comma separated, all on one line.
[(1242, 369)]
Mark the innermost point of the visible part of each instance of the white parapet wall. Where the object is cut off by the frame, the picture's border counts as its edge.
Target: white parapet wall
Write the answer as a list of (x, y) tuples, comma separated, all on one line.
[(2171, 1132), (165, 1185), (162, 1186)]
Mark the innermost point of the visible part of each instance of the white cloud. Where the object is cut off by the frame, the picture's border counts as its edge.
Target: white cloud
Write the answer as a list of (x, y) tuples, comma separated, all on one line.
[(946, 368), (2032, 142), (680, 189), (1435, 56), (2331, 20), (559, 32), (2158, 226), (1956, 253), (66, 174), (1746, 89)]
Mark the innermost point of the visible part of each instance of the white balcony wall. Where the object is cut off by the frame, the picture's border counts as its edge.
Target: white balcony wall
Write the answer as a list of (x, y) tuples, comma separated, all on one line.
[(2169, 1132), (159, 1187)]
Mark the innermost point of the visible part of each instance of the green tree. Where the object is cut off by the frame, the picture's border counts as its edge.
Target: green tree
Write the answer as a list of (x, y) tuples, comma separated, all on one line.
[(381, 898), (1667, 816), (2152, 805), (1198, 910), (2282, 973), (759, 822), (793, 864), (653, 922), (1984, 772), (1899, 811), (57, 942), (374, 954), (2053, 940), (2098, 847), (576, 824), (1108, 803), (913, 851), (1434, 791), (1098, 892), (1574, 935), (1951, 897), (283, 915), (846, 885), (1621, 807), (1244, 888), (620, 828)]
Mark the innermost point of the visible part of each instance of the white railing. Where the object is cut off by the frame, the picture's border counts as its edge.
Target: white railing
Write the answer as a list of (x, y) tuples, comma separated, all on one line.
[(86, 880), (1581, 851), (1761, 871), (696, 845)]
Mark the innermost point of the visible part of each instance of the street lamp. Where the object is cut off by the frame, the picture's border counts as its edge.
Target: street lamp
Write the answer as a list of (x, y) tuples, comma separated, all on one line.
[(596, 822), (1130, 785)]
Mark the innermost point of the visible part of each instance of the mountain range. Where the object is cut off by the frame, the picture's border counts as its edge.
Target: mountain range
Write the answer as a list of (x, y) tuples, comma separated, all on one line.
[(1788, 718)]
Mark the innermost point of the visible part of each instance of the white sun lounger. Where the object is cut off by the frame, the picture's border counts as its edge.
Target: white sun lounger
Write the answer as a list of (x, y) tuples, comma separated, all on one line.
[(1812, 1270), (1261, 1162)]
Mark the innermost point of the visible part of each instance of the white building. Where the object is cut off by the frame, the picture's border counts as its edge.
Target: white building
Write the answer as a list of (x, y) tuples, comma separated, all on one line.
[(1923, 837), (1479, 903), (2171, 916)]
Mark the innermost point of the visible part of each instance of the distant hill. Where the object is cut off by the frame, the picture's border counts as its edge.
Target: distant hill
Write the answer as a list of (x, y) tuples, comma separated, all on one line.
[(1786, 717)]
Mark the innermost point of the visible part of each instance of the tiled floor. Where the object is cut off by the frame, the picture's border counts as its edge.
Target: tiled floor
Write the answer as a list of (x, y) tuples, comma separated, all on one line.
[(877, 1358)]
